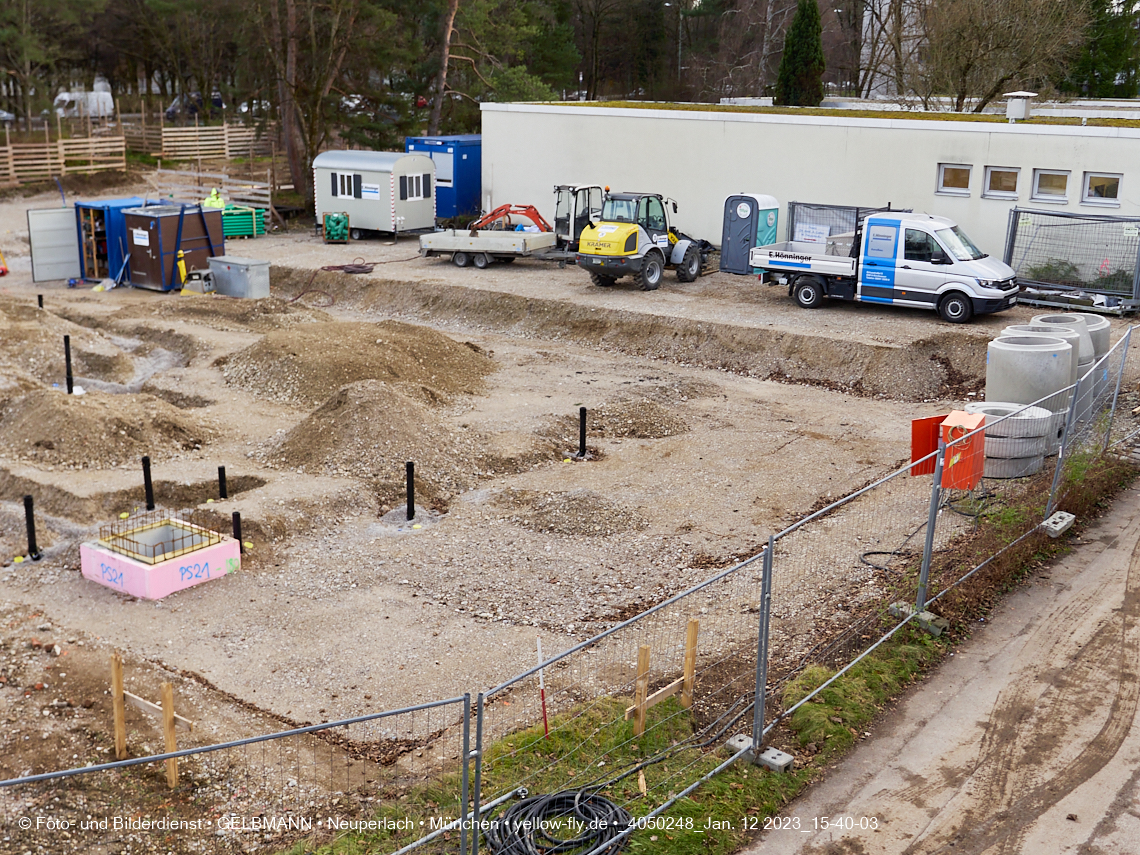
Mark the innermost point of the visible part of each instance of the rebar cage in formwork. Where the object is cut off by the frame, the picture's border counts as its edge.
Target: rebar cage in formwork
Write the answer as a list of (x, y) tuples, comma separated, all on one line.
[(837, 219), (1076, 252), (155, 536)]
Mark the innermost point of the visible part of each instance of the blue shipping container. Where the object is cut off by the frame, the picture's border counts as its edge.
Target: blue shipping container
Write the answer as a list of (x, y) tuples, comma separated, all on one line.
[(458, 171), (102, 234)]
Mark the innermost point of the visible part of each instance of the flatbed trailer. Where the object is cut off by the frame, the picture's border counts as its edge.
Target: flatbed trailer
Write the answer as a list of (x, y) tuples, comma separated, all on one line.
[(482, 248)]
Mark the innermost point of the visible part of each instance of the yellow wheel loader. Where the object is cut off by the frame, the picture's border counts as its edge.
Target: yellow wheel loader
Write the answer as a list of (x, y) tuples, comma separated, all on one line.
[(634, 238)]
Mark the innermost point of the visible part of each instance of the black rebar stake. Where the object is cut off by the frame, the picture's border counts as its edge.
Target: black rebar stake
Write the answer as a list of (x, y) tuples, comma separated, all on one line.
[(581, 431), (237, 532), (411, 471), (30, 518), (222, 492), (67, 363), (147, 485), (40, 300)]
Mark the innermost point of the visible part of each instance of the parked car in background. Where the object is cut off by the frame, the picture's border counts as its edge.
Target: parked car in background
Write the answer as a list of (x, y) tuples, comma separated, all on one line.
[(6, 117), (188, 105)]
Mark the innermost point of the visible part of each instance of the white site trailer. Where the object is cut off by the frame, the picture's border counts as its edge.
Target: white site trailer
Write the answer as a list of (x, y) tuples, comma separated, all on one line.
[(381, 191)]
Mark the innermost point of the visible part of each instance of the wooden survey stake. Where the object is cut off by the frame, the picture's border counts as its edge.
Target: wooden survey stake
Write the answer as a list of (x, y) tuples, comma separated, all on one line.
[(170, 719), (643, 701), (641, 689)]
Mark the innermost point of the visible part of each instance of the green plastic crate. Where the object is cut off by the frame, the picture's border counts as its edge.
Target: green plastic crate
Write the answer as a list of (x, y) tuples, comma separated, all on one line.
[(336, 227)]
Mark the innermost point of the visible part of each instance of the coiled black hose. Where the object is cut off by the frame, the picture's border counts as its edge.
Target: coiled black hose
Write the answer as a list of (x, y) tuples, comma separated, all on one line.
[(533, 826)]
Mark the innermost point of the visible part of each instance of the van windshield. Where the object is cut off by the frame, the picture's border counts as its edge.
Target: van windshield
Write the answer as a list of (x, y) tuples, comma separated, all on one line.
[(960, 246)]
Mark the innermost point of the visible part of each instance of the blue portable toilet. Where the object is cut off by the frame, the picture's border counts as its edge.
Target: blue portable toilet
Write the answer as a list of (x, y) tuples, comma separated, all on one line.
[(458, 171), (102, 231), (749, 220)]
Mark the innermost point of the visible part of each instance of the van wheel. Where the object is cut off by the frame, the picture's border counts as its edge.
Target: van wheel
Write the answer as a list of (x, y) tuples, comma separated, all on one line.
[(652, 269), (955, 308), (690, 267), (808, 293), (461, 259)]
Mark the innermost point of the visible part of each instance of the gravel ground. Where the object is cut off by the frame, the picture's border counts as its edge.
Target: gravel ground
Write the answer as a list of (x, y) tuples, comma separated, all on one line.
[(721, 412)]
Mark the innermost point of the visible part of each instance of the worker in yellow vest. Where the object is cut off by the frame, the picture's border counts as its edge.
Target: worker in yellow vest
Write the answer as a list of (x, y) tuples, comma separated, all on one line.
[(214, 200)]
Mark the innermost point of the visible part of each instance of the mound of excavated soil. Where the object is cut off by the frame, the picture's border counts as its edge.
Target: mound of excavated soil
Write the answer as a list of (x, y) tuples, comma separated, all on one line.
[(578, 512), (229, 313), (304, 364), (370, 429), (640, 419), (31, 341), (48, 427)]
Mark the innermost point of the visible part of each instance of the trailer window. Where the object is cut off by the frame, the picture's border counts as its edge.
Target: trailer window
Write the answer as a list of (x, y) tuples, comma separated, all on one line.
[(415, 187), (958, 245)]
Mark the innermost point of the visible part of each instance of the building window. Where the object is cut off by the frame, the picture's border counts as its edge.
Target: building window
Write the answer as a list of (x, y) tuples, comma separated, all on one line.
[(1101, 188), (1050, 185), (1001, 182), (954, 179)]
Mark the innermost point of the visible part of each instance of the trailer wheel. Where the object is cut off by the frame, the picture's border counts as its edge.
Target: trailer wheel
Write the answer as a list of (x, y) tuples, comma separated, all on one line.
[(356, 234), (690, 267), (955, 308), (652, 269), (807, 293), (602, 281), (480, 260), (461, 259)]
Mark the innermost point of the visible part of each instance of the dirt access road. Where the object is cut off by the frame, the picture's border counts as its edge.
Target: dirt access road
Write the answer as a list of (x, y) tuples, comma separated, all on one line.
[(1026, 741)]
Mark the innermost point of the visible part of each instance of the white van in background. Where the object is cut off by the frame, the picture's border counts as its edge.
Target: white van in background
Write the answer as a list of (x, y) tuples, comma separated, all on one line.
[(97, 105)]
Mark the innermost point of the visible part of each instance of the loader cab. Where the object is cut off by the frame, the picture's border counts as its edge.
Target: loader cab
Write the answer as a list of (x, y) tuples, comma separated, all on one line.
[(574, 208)]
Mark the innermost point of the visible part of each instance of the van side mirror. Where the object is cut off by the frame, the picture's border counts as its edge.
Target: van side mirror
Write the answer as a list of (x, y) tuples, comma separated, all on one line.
[(939, 257)]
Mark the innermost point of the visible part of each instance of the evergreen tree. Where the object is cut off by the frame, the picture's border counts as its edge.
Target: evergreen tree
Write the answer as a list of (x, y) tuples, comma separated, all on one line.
[(1108, 65), (800, 80)]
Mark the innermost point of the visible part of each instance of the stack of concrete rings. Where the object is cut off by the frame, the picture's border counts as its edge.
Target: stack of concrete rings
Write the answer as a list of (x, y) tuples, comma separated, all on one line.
[(1059, 405), (1086, 357), (1016, 438)]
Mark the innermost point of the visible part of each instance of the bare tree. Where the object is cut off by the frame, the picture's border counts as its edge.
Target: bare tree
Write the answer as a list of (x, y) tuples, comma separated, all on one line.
[(307, 46), (974, 49), (444, 61), (967, 51)]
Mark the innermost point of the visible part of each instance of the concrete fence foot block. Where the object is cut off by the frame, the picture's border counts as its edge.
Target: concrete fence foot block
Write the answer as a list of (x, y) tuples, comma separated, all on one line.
[(1058, 524)]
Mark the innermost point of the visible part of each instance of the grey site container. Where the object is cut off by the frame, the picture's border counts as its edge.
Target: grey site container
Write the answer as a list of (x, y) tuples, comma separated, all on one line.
[(240, 277)]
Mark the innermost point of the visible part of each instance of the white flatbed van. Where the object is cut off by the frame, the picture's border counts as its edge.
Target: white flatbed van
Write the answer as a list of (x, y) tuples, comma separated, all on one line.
[(899, 259)]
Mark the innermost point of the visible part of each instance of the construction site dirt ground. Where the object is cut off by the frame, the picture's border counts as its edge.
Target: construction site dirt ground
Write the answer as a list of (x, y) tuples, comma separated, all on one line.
[(719, 412)]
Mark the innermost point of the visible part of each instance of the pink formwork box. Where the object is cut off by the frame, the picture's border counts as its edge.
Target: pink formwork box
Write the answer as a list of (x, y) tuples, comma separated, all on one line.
[(155, 555)]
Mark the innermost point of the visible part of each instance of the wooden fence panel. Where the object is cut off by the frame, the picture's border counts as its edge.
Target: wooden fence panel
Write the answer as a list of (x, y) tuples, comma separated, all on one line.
[(27, 162), (203, 141), (144, 138), (193, 143), (186, 186), (242, 141)]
